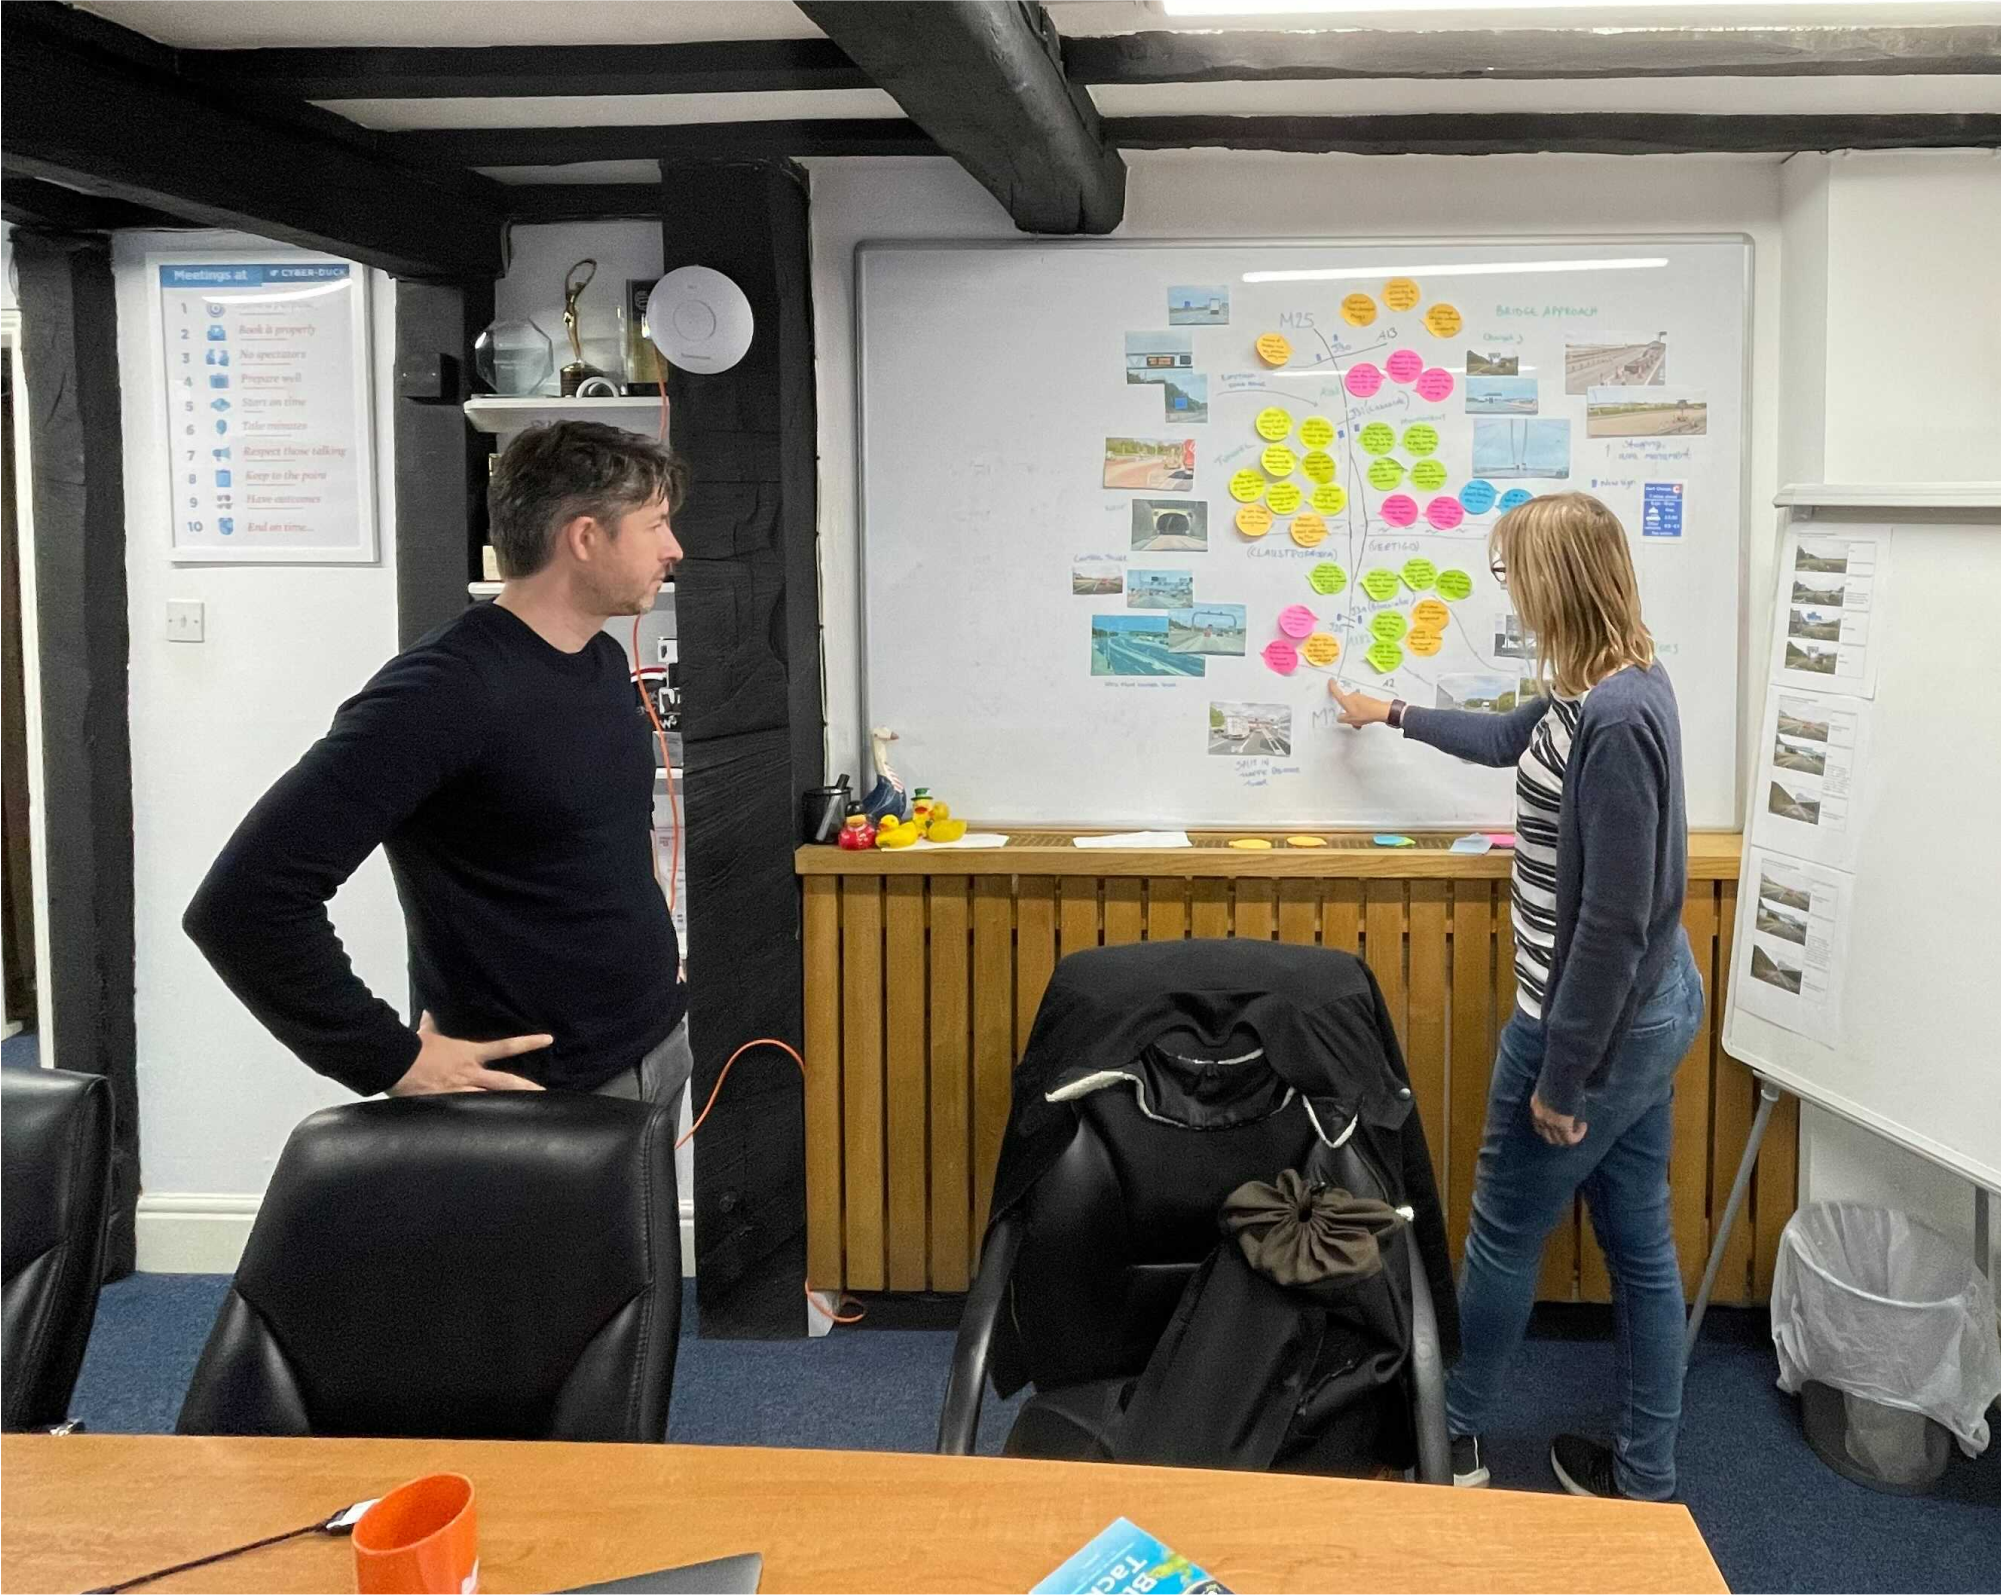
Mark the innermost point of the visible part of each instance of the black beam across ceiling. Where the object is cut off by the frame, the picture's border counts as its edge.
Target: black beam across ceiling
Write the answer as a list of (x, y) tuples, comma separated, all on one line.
[(1253, 56), (581, 202), (747, 66), (28, 202), (563, 146), (1516, 133), (986, 81)]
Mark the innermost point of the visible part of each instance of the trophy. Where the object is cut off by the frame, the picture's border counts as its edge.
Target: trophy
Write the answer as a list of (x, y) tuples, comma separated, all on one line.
[(580, 374)]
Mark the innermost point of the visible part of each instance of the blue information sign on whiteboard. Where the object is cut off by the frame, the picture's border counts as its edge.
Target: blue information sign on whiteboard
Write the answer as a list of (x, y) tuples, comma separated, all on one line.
[(1660, 509)]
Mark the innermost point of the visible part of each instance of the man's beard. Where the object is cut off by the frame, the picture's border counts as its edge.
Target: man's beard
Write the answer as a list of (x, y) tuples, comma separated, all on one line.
[(607, 600)]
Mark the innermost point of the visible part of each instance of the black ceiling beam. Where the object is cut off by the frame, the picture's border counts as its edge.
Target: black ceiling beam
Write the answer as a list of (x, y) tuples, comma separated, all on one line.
[(747, 66), (1526, 53), (101, 122), (1520, 133), (986, 81), (29, 202), (566, 146), (581, 202)]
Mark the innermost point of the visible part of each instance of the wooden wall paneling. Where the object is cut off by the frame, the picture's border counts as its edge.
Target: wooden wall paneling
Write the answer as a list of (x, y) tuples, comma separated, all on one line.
[(825, 1071), (1472, 1061), (862, 1065), (1732, 1101), (1034, 948), (993, 1032), (1688, 1182), (1167, 908), (1425, 1056), (1125, 916), (1257, 910), (906, 999), (1209, 907), (1299, 912), (1076, 913), (1341, 915), (951, 1067), (1774, 1191), (1382, 947), (1558, 1280)]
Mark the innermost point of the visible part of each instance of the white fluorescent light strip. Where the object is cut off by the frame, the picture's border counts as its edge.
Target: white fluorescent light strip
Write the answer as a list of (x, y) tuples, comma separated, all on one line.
[(1252, 8), (1484, 268)]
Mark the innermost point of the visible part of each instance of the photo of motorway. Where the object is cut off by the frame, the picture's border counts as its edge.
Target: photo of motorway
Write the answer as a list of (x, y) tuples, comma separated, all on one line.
[(1623, 413), (1831, 563), (1512, 449), (1777, 891), (1136, 645), (1096, 581), (1813, 657), (1795, 723), (1240, 728), (1626, 364), (1169, 526), (1209, 629), (1802, 758), (1789, 805), (1500, 396), (1481, 363), (1832, 597), (1160, 589), (1815, 623), (1774, 971), (1150, 465)]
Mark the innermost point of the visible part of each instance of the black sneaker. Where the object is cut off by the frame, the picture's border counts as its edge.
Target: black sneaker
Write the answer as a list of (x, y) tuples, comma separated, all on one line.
[(1468, 1471), (1584, 1467)]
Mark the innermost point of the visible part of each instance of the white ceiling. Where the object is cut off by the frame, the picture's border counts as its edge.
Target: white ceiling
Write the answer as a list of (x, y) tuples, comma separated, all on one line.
[(245, 24)]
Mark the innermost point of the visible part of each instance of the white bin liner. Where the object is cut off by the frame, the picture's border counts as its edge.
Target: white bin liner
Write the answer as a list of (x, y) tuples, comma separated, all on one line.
[(1874, 1303)]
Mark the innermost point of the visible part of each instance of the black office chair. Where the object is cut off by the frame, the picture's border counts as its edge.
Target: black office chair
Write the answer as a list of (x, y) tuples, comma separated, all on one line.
[(475, 1266), (55, 1159)]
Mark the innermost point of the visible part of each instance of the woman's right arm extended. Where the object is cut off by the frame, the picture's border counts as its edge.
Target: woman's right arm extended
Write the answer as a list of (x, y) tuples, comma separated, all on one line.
[(1464, 733)]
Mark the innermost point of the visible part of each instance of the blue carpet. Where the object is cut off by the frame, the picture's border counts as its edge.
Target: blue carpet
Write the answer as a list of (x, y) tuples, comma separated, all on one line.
[(1775, 1517), (21, 1052)]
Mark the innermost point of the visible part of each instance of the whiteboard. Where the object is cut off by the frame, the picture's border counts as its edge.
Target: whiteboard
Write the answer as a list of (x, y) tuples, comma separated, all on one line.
[(1912, 1052), (1022, 684)]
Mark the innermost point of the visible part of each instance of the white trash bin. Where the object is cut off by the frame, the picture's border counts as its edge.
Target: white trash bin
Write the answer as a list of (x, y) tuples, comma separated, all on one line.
[(1896, 1328)]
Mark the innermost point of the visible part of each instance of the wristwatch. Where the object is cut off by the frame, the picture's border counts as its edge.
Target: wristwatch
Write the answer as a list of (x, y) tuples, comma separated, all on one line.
[(1394, 719)]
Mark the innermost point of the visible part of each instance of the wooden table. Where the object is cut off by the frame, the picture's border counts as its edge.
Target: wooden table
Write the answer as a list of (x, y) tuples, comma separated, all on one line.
[(85, 1510)]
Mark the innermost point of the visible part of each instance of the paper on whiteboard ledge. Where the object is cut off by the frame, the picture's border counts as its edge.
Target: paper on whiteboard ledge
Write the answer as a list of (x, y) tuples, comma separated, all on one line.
[(1136, 839), (970, 839), (1813, 745), (1792, 944)]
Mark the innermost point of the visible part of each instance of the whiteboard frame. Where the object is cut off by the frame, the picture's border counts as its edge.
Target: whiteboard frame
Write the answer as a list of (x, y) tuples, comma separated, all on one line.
[(869, 246)]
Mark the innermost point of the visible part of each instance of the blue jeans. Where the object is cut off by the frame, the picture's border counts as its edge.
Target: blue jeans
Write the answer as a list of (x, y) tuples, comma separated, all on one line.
[(1524, 1185)]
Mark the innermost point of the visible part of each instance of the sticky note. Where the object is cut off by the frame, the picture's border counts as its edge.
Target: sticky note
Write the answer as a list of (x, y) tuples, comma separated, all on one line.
[(1385, 656), (1477, 497), (1274, 425), (1246, 486), (1306, 841), (1420, 438), (1327, 578), (1316, 431), (1385, 473), (1282, 657), (1283, 497), (1404, 365), (1330, 498), (1279, 460), (1435, 384), (1364, 379), (1318, 466), (1389, 839), (1476, 843), (1419, 574), (1358, 310), (1254, 520), (1380, 584), (1501, 838), (1400, 293), (1250, 844), (1444, 512), (1430, 615), (1309, 531), (1455, 584), (1320, 649), (1443, 320), (1514, 498), (1388, 625), (1399, 509), (1274, 350), (1377, 438), (1424, 642), (1428, 474), (1296, 620)]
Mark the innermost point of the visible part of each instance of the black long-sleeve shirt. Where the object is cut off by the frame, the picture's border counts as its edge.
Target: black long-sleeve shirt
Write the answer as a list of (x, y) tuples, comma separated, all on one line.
[(511, 785)]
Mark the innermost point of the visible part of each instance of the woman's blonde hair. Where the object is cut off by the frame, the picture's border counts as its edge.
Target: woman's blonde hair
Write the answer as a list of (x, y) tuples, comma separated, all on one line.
[(1571, 578)]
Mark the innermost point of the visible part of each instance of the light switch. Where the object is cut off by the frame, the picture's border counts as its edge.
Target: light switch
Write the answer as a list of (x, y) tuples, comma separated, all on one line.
[(184, 620)]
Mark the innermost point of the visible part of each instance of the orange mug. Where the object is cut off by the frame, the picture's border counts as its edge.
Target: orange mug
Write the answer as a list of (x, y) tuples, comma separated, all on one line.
[(422, 1538)]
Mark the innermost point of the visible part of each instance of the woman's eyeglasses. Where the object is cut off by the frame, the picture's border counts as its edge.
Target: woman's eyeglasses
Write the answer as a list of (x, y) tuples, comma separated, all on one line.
[(1500, 569)]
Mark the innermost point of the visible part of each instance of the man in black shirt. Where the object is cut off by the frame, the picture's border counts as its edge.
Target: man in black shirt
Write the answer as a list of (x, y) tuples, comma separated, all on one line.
[(503, 766)]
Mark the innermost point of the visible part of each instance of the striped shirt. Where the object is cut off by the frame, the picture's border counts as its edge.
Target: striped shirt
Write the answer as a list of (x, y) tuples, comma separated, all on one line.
[(1538, 802)]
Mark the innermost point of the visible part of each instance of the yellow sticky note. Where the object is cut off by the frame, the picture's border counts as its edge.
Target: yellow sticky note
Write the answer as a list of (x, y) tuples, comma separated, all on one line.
[(1283, 497), (1430, 614), (1420, 438), (1385, 656), (1318, 466), (1254, 520), (1306, 841), (1316, 431), (1320, 649), (1246, 486), (1424, 642), (1274, 350), (1309, 531), (1330, 498), (1274, 425), (1400, 293), (1444, 320), (1252, 844), (1278, 460), (1419, 574), (1358, 310), (1428, 474)]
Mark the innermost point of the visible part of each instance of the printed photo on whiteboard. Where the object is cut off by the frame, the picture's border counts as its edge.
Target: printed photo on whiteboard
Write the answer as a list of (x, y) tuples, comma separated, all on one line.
[(1795, 948), (1490, 363), (1480, 693), (1150, 465), (1614, 360), (1514, 449), (1199, 307), (1136, 645), (1646, 412), (1207, 629), (1828, 591), (1512, 640), (1812, 747), (1184, 397), (1236, 729), (1160, 589), (1150, 356), (1169, 526), (1097, 576), (1500, 396), (1661, 505)]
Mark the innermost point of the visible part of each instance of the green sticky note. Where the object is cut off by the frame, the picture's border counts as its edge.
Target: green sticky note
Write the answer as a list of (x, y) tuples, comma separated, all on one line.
[(1420, 438), (1419, 574), (1318, 465), (1384, 474), (1428, 474), (1380, 584), (1327, 578), (1389, 625), (1455, 584), (1385, 656), (1377, 438)]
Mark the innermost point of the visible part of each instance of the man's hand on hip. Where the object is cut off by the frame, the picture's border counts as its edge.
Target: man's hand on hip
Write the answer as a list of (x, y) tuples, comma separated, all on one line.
[(444, 1063)]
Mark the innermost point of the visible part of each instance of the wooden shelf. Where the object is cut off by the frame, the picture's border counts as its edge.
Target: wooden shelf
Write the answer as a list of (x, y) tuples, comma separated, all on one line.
[(492, 413)]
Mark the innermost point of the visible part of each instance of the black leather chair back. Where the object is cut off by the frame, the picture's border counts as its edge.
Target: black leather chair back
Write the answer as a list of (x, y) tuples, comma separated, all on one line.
[(477, 1266), (55, 1181)]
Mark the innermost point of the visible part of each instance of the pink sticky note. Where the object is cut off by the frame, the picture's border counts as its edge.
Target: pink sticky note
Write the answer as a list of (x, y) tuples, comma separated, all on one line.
[(1445, 512), (1404, 365), (1399, 509), (1501, 838), (1435, 384), (1296, 620), (1282, 657), (1365, 379)]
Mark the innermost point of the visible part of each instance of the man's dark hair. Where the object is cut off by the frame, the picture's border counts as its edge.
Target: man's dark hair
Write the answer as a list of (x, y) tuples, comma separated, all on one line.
[(550, 475)]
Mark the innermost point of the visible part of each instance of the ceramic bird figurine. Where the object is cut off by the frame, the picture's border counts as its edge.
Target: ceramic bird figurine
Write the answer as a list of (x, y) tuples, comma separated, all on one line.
[(888, 795)]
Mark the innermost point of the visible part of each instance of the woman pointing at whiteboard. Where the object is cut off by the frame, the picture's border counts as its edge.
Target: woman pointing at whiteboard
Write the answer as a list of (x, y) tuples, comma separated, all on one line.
[(1607, 993)]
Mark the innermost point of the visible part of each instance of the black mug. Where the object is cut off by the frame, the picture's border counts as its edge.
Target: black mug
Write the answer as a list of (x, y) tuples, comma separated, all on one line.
[(822, 811)]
